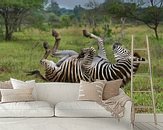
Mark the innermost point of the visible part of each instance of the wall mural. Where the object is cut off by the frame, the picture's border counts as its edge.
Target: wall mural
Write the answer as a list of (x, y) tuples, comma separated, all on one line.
[(73, 55), (73, 66)]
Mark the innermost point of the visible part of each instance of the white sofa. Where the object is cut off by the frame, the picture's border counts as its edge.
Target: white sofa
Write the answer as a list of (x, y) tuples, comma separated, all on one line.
[(57, 108)]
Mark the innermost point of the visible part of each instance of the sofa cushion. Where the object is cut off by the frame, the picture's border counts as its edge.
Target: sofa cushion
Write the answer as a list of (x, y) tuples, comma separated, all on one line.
[(18, 84), (91, 91), (80, 109), (111, 89), (26, 109), (5, 85), (16, 95)]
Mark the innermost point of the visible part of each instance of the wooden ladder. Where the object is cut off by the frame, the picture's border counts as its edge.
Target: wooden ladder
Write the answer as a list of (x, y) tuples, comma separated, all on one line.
[(143, 75)]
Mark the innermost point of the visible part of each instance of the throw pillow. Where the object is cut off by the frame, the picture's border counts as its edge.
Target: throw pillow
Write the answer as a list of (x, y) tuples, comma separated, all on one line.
[(16, 95), (91, 91), (5, 85), (111, 88), (18, 84)]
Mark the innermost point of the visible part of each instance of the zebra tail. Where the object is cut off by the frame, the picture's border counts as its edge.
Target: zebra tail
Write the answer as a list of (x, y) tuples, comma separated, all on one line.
[(36, 73)]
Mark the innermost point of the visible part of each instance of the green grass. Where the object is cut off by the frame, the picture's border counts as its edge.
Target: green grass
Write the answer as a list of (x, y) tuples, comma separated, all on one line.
[(25, 51), (16, 58)]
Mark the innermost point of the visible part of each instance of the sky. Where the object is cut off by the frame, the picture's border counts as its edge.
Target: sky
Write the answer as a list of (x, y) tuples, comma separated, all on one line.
[(70, 4)]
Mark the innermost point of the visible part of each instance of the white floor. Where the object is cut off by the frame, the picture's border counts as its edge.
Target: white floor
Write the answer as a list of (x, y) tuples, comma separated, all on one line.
[(142, 122), (62, 124)]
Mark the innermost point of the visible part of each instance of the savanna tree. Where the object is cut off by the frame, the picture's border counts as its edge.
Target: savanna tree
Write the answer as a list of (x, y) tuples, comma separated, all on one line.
[(150, 12), (92, 9), (13, 12)]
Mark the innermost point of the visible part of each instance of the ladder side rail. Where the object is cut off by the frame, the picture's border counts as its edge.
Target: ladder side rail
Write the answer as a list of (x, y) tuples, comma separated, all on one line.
[(151, 81), (132, 53)]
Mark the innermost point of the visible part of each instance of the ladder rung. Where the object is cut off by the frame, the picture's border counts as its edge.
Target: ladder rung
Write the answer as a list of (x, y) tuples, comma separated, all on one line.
[(142, 62), (143, 107), (140, 49), (142, 91)]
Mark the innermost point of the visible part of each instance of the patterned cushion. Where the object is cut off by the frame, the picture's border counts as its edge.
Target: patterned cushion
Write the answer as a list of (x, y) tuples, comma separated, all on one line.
[(111, 88), (16, 95), (91, 91)]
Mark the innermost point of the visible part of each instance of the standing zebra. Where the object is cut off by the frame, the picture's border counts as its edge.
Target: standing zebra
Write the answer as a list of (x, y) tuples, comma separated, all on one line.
[(86, 66)]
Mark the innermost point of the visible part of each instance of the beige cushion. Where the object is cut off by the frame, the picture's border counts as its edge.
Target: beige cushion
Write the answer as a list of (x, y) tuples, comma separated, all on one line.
[(91, 91), (111, 88), (5, 85), (18, 84), (16, 95)]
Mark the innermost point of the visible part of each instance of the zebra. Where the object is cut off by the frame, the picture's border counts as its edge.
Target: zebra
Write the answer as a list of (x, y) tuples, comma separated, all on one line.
[(70, 70), (102, 69), (86, 66)]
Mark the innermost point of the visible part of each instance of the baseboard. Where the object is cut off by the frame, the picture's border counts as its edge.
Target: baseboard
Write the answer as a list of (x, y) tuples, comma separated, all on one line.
[(148, 117)]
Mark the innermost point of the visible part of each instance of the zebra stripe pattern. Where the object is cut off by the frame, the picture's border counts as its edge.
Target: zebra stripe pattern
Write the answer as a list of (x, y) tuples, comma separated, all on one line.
[(105, 70), (71, 69), (88, 67)]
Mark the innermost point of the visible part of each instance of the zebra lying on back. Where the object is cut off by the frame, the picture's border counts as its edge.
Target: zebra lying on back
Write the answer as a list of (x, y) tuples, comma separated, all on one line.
[(86, 66), (105, 70), (102, 69), (71, 69)]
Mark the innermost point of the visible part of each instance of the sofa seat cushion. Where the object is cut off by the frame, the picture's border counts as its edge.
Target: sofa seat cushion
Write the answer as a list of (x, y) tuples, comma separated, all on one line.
[(26, 109), (80, 109)]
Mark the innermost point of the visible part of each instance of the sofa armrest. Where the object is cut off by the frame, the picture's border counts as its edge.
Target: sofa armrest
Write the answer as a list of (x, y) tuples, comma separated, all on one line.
[(128, 107), (127, 118), (128, 110), (121, 91)]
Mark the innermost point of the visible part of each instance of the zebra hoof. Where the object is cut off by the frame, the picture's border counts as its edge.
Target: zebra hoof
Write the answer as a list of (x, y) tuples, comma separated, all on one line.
[(86, 34), (55, 33)]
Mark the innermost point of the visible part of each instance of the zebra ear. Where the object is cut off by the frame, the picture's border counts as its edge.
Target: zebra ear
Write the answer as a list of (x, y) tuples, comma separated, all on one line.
[(116, 44)]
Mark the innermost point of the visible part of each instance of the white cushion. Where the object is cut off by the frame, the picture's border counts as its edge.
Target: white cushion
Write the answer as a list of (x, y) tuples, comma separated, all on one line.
[(80, 109), (18, 84), (26, 109)]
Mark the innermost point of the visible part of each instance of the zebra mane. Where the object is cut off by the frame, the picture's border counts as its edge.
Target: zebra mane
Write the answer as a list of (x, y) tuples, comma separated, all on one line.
[(139, 57), (136, 55)]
